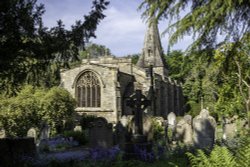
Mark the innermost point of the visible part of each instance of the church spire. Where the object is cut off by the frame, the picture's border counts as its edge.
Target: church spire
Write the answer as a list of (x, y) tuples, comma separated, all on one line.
[(152, 53)]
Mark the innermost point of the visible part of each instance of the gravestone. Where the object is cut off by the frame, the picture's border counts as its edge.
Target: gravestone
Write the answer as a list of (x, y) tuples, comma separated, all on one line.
[(2, 134), (78, 128), (171, 126), (32, 133), (45, 132), (204, 127), (171, 120), (120, 134), (229, 127), (138, 102), (100, 133), (184, 130)]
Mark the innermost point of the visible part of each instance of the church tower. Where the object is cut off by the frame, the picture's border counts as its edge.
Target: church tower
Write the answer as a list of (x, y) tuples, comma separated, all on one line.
[(152, 53)]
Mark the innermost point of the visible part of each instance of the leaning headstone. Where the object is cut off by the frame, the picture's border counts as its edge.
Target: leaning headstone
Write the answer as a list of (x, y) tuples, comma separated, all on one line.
[(184, 130), (45, 131), (2, 134), (204, 127), (32, 133), (100, 133)]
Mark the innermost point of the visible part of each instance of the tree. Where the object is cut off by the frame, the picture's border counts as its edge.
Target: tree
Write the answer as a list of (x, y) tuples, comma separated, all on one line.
[(213, 24), (28, 49), (34, 106), (94, 51), (205, 20)]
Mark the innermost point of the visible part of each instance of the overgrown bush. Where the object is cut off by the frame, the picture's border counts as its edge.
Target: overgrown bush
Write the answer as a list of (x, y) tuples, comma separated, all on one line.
[(86, 120), (77, 136), (33, 106)]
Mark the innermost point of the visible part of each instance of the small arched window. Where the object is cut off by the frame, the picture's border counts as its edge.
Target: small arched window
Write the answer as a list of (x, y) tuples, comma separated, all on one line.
[(88, 90)]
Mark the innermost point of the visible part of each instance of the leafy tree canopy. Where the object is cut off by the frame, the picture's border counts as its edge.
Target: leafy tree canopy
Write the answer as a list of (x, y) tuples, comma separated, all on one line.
[(30, 52), (204, 19)]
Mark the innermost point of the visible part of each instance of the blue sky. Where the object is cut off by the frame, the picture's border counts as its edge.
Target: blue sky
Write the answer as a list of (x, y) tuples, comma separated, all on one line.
[(122, 30)]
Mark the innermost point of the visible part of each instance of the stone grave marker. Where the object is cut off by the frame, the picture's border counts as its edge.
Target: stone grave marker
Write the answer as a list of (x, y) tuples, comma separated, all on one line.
[(45, 132), (229, 127), (120, 134), (32, 133), (171, 120), (204, 127), (2, 133), (184, 130), (100, 133), (171, 126), (78, 128), (138, 102)]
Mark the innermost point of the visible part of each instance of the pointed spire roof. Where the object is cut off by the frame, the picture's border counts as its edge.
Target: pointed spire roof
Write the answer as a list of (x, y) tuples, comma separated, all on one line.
[(152, 53)]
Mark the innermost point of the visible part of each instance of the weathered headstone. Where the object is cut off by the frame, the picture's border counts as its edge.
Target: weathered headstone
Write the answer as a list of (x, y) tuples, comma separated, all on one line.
[(171, 120), (184, 130), (100, 133), (45, 132), (231, 126), (204, 127), (171, 126), (32, 133), (2, 133), (120, 134), (78, 128)]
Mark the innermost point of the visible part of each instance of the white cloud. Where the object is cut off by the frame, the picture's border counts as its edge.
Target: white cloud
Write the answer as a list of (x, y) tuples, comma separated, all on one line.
[(122, 30)]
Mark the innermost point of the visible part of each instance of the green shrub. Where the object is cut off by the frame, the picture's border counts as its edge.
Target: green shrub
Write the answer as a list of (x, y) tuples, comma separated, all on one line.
[(33, 106), (86, 120), (58, 105), (77, 135)]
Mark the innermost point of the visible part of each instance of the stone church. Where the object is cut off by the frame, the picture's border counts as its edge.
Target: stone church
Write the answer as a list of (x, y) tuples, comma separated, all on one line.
[(101, 86)]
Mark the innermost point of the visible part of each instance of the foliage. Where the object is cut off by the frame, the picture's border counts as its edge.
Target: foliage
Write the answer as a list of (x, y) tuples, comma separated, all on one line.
[(31, 53), (223, 156), (58, 105), (94, 51), (86, 120), (158, 131), (205, 20), (33, 106), (220, 156), (78, 136), (218, 59), (177, 65)]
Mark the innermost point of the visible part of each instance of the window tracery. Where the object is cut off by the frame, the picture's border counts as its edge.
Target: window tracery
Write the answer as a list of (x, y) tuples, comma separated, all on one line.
[(88, 90)]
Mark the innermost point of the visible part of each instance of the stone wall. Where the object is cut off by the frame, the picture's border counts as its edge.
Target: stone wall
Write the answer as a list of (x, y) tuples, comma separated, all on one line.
[(108, 78)]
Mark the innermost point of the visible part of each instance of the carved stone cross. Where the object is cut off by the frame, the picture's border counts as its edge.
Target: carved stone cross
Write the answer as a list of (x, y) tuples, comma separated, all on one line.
[(138, 102)]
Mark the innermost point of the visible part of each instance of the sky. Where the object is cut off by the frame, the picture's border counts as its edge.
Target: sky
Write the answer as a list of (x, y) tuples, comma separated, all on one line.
[(122, 30)]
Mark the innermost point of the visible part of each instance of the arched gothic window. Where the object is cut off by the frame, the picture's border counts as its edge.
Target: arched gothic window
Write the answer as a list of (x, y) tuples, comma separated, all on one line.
[(88, 90)]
